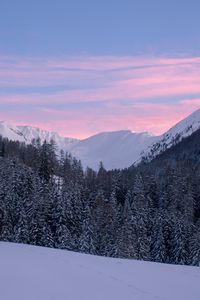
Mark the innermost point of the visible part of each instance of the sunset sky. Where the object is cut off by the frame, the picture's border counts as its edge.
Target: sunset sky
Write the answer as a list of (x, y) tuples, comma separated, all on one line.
[(80, 67)]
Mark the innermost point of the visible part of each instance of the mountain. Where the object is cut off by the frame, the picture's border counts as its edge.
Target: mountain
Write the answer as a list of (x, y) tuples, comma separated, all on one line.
[(31, 133), (27, 134), (116, 149), (49, 274), (11, 132), (172, 137), (187, 150)]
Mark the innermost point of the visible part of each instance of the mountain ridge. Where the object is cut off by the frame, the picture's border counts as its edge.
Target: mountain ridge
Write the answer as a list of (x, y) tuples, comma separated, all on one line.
[(108, 147), (116, 149), (173, 136)]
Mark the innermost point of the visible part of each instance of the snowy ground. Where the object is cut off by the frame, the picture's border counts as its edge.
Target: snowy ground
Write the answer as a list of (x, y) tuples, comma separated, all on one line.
[(30, 273)]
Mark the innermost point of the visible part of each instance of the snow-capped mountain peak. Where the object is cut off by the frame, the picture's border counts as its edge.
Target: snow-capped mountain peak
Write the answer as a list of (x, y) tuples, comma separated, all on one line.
[(173, 136), (27, 134), (116, 149), (11, 132), (31, 133)]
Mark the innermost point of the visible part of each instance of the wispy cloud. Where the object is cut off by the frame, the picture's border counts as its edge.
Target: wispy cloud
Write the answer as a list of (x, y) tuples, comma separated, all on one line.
[(79, 96)]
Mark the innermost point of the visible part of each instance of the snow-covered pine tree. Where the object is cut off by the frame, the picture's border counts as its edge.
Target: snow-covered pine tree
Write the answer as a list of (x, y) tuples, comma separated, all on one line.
[(194, 247), (62, 235), (87, 238), (127, 236)]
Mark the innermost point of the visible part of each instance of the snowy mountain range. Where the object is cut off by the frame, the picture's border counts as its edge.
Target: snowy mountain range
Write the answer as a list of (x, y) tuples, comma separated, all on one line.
[(27, 134), (118, 149), (115, 149)]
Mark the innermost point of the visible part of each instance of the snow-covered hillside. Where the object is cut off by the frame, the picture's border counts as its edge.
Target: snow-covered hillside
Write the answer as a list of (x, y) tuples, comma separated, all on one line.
[(173, 136), (31, 133), (27, 134), (116, 149), (11, 132), (29, 272)]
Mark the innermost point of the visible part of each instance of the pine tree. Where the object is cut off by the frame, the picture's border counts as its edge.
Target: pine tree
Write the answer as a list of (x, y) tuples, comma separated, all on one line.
[(87, 238), (179, 254), (21, 231), (47, 160), (111, 226), (6, 229), (194, 247), (139, 203), (127, 235), (63, 238), (143, 243), (157, 248)]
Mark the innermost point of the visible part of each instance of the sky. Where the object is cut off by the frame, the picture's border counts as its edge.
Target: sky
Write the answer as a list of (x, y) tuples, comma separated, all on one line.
[(81, 67)]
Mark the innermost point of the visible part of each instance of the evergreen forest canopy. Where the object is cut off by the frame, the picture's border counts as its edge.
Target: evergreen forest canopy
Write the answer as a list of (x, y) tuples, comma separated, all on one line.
[(150, 212)]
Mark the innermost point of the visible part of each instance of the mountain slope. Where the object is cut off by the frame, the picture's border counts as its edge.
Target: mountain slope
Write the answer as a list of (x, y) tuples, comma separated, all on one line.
[(31, 133), (11, 132), (186, 150), (172, 137), (27, 134), (116, 149), (29, 272)]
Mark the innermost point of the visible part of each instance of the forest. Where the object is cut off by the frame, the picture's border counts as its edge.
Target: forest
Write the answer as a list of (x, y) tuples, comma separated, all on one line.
[(149, 212)]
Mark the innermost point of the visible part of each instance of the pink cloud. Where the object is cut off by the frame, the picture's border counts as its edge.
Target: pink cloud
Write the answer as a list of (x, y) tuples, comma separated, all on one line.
[(101, 79), (155, 118), (158, 77)]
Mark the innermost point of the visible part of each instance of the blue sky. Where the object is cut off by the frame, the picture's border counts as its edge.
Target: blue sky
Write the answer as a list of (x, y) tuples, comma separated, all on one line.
[(73, 55), (111, 27)]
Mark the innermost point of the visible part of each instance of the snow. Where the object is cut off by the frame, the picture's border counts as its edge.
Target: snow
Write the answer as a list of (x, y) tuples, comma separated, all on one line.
[(174, 135), (34, 133), (27, 134), (11, 132), (30, 272), (117, 149)]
